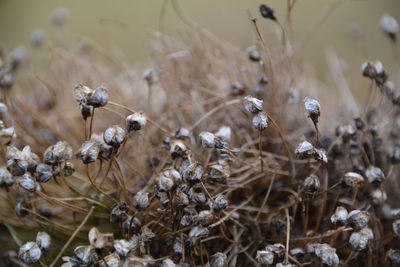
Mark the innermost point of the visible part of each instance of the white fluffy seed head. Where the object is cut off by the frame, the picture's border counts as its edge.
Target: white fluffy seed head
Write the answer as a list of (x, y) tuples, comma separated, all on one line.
[(43, 240), (29, 253)]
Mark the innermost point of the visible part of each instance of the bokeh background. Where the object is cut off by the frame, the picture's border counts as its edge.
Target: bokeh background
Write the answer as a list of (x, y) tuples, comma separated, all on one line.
[(350, 27)]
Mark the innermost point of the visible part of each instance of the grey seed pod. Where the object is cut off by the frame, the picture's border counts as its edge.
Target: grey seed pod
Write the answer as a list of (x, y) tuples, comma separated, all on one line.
[(320, 155), (267, 12), (86, 254), (168, 263), (111, 260), (260, 121), (205, 217), (298, 253), (177, 148), (198, 232), (7, 81), (368, 70), (119, 213), (98, 97), (311, 184), (254, 55), (148, 76), (219, 173), (43, 240), (31, 158), (182, 133), (123, 246), (352, 179), (219, 260), (180, 199), (358, 219), (80, 93), (88, 152), (193, 173), (313, 108), (163, 197), (252, 104), (114, 136), (220, 203), (141, 200), (304, 150), (68, 168), (106, 151), (327, 255), (394, 154), (21, 209), (26, 184), (340, 216), (224, 133), (359, 240), (164, 184), (3, 111), (390, 26), (100, 240), (135, 122), (6, 179), (37, 37), (131, 225), (277, 249), (59, 16), (375, 175), (58, 153), (393, 257), (147, 235), (43, 173), (207, 139), (29, 253), (265, 257), (174, 175), (177, 247), (7, 135), (378, 196), (17, 166), (396, 227), (199, 198), (86, 111)]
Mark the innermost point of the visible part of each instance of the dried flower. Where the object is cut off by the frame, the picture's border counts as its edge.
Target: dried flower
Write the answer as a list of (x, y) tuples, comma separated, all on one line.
[(180, 199), (135, 122), (112, 260), (58, 153), (207, 139), (311, 184), (148, 76), (254, 55), (327, 255), (193, 173), (393, 257), (43, 173), (6, 179), (26, 184), (168, 263), (220, 203), (359, 240), (164, 184), (177, 148), (119, 213), (219, 260), (88, 152), (260, 121), (352, 179), (7, 135), (357, 219), (378, 196), (86, 254), (313, 108), (375, 175), (267, 12), (141, 200), (252, 104), (99, 240), (265, 257), (114, 136), (29, 253), (219, 172), (224, 133), (340, 216), (131, 225), (396, 227), (97, 98), (205, 217), (389, 26), (21, 209), (43, 240), (86, 111), (304, 150)]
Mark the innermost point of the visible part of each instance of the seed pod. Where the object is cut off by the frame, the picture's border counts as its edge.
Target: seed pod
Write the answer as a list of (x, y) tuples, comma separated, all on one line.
[(114, 136), (99, 240), (88, 152), (198, 198), (340, 216), (81, 93), (320, 155), (131, 225), (254, 55), (112, 260), (253, 105), (394, 154), (277, 249), (207, 139), (265, 257), (98, 97), (219, 260), (164, 184), (26, 184), (177, 148), (21, 209), (393, 257), (359, 240), (327, 255), (86, 254), (220, 203), (267, 12), (224, 133), (177, 247), (7, 81), (198, 232), (352, 179), (389, 26), (68, 168), (31, 158), (313, 108), (43, 240), (297, 253), (180, 199), (368, 70), (375, 175), (193, 173), (58, 153), (119, 213), (148, 76), (182, 133), (7, 135), (43, 173), (6, 179), (174, 175), (59, 16), (141, 200), (29, 253), (305, 150), (311, 184), (168, 263), (357, 219), (219, 173), (17, 166), (3, 111), (135, 122), (205, 217), (260, 121), (86, 111), (378, 196), (37, 37), (146, 234), (396, 227)]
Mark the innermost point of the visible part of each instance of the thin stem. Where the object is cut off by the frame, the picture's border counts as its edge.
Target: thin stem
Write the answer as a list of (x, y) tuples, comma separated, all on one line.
[(260, 151)]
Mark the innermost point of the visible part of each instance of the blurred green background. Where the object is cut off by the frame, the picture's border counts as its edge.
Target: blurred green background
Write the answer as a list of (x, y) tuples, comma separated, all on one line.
[(124, 25)]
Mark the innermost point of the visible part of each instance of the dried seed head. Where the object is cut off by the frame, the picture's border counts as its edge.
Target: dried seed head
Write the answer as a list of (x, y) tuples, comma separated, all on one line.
[(141, 200), (43, 173), (135, 122), (147, 235), (86, 254), (378, 196), (177, 247), (277, 249), (220, 203), (29, 253), (68, 168), (21, 209), (180, 199), (357, 219), (7, 135), (219, 260), (352, 179), (393, 257), (7, 81), (320, 155), (88, 152), (3, 111), (177, 148), (359, 240), (168, 263), (37, 37), (114, 136), (43, 240), (193, 173), (207, 139), (254, 55), (298, 253), (148, 76), (389, 26), (224, 133), (59, 16), (375, 175), (374, 70), (327, 255), (260, 121), (174, 175), (97, 98), (396, 227), (265, 257), (58, 153), (17, 166), (100, 240), (219, 173), (198, 232), (6, 179), (252, 104), (267, 12), (311, 184), (131, 225), (26, 184), (305, 150), (81, 93), (112, 260), (340, 216), (182, 133), (164, 184), (119, 213), (198, 198), (31, 158), (123, 246), (313, 108), (205, 217)]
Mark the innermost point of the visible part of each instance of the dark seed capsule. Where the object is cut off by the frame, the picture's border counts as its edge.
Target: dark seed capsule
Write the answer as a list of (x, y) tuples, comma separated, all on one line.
[(267, 12)]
